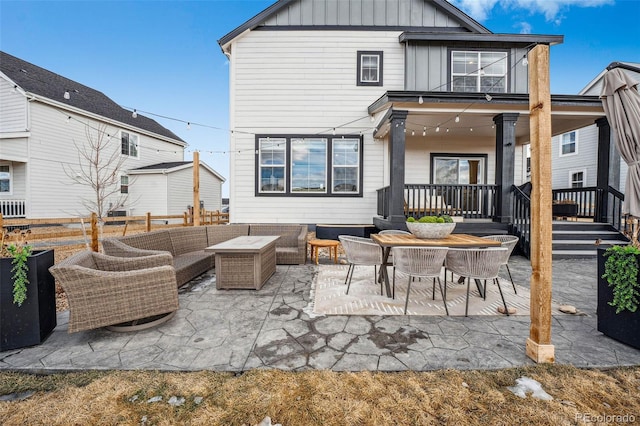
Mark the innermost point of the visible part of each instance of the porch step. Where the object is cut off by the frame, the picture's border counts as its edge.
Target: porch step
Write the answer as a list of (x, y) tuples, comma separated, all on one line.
[(573, 240)]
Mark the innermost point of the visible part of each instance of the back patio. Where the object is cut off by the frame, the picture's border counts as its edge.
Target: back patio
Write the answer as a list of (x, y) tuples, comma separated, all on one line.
[(238, 330)]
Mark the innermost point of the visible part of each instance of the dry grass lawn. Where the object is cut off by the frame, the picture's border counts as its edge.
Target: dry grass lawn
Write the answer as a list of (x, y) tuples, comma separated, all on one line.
[(323, 397)]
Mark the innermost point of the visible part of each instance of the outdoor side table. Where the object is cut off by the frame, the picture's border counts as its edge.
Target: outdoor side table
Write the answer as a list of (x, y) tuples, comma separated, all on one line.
[(245, 262), (317, 244)]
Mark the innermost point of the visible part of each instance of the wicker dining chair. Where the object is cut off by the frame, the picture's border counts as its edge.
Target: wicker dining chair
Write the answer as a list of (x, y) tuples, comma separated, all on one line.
[(423, 262), (477, 264), (361, 251), (510, 242)]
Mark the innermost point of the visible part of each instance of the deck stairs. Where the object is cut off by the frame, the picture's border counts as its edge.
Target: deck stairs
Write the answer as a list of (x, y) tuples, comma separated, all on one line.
[(579, 240)]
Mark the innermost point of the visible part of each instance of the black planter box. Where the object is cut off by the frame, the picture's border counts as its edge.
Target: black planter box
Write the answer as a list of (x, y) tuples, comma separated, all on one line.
[(623, 327), (31, 323)]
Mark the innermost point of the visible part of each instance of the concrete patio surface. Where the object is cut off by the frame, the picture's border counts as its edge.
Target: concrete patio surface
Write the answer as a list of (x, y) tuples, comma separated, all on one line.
[(237, 330)]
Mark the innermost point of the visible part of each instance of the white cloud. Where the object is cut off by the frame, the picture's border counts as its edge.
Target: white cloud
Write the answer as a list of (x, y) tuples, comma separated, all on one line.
[(481, 9), (525, 27)]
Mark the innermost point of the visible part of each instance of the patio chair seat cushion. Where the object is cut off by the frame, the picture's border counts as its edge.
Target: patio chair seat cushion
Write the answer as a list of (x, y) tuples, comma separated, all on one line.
[(192, 264)]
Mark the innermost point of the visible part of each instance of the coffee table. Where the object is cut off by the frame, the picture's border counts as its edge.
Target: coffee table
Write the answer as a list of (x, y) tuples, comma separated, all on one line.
[(245, 262)]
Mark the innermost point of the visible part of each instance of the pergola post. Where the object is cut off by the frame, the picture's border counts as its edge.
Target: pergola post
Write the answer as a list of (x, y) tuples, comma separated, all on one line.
[(538, 346), (196, 188), (604, 169), (505, 164)]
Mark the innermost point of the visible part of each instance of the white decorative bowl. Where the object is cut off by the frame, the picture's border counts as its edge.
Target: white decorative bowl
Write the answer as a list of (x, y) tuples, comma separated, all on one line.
[(430, 230)]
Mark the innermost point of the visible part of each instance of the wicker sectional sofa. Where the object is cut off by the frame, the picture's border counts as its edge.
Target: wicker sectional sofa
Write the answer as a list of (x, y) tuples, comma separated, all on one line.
[(187, 244)]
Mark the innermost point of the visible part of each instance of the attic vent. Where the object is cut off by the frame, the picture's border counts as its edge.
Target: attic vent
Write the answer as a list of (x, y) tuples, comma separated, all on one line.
[(23, 70)]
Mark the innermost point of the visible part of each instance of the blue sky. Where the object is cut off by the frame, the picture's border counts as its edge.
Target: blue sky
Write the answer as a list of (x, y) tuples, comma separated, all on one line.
[(163, 57)]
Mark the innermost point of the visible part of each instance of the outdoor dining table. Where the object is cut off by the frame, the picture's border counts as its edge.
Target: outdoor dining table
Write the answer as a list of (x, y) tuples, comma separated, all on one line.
[(388, 241)]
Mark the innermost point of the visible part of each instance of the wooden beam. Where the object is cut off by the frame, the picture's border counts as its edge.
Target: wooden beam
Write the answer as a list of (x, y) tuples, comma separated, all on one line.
[(538, 345), (196, 188)]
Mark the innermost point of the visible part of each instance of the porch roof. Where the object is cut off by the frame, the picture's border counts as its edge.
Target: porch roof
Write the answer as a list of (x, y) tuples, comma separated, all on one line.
[(437, 112)]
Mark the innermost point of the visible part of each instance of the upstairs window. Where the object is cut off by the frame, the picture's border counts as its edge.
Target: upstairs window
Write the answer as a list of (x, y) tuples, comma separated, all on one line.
[(568, 144), (478, 71), (577, 179), (369, 68), (129, 144), (5, 179)]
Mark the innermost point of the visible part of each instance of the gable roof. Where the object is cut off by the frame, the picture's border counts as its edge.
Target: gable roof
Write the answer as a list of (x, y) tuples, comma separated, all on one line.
[(468, 23), (170, 167), (595, 86), (41, 82)]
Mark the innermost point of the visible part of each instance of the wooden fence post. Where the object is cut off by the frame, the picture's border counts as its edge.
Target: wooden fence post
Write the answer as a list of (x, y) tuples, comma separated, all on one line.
[(148, 221), (94, 232)]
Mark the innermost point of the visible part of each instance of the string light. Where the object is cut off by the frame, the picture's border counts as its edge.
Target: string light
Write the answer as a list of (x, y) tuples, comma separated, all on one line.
[(134, 114), (488, 97), (188, 125), (67, 95), (420, 100), (457, 120), (525, 61), (424, 131), (437, 128)]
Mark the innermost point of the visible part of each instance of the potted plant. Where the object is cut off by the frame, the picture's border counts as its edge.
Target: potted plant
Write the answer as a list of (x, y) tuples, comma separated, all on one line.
[(27, 292), (619, 294), (431, 226)]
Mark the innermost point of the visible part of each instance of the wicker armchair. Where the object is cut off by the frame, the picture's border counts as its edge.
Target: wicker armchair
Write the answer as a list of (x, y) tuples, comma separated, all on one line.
[(105, 290), (477, 264), (361, 251)]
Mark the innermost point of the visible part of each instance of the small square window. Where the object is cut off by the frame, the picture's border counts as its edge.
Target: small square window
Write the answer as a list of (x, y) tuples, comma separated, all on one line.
[(369, 68), (577, 179)]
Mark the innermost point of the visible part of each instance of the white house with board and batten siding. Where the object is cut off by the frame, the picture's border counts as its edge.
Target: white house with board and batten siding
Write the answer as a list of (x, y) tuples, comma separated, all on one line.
[(47, 121)]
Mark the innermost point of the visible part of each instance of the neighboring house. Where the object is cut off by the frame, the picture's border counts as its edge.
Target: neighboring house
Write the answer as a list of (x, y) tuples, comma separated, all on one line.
[(575, 159), (342, 112), (45, 119), (160, 188)]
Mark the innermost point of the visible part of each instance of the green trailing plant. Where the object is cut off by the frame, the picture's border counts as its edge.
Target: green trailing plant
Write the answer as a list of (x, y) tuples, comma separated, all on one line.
[(621, 272), (15, 246)]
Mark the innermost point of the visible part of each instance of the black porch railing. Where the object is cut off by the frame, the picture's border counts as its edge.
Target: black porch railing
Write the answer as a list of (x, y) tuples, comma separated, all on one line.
[(468, 201), (597, 204), (521, 226)]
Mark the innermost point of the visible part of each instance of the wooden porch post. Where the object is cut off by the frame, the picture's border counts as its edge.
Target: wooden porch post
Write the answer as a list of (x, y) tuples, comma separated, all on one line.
[(196, 188), (538, 346), (397, 148)]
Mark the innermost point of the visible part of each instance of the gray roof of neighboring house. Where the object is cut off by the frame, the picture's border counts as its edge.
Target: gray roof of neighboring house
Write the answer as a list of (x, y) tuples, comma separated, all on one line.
[(595, 86), (469, 23), (170, 166), (41, 82)]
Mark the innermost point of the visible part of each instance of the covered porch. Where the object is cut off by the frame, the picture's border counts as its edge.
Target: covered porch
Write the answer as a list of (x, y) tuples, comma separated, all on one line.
[(464, 154)]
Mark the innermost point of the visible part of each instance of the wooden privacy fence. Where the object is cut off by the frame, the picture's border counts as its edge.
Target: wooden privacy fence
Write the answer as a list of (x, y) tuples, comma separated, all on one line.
[(68, 233)]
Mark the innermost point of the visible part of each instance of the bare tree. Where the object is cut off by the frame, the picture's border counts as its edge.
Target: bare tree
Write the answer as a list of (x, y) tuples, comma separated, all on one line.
[(99, 167)]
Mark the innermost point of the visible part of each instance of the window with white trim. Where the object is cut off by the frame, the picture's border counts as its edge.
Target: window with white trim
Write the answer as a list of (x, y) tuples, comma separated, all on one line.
[(369, 68), (479, 71), (124, 184), (309, 165), (568, 144), (6, 178), (130, 145), (577, 179)]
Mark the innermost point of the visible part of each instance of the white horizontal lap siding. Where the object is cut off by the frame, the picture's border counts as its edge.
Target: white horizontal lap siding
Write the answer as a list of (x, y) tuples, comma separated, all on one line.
[(148, 193), (180, 190), (54, 142), (13, 109), (210, 190), (304, 82), (586, 158), (418, 156), (14, 149)]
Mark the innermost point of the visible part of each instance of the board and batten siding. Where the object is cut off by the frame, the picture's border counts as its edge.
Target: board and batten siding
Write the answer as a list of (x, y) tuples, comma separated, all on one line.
[(51, 144), (13, 109), (304, 82), (428, 65), (390, 13)]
